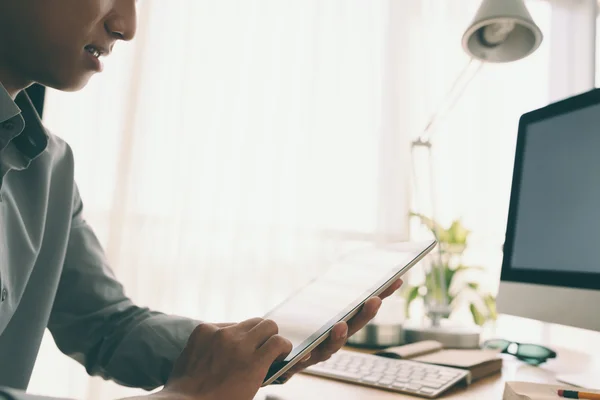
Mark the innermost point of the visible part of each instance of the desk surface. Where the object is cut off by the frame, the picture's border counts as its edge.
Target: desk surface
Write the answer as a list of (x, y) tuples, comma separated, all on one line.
[(570, 359)]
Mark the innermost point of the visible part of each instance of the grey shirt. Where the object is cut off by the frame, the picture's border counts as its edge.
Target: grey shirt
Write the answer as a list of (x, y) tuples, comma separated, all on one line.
[(53, 273)]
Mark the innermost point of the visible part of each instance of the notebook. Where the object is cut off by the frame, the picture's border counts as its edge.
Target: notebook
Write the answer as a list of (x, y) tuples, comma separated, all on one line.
[(533, 391), (480, 363)]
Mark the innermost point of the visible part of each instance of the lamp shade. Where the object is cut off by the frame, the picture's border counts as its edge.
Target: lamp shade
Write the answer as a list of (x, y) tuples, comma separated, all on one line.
[(502, 31)]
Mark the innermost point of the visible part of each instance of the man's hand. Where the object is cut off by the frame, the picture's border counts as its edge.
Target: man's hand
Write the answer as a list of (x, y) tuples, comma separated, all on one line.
[(341, 332), (226, 361)]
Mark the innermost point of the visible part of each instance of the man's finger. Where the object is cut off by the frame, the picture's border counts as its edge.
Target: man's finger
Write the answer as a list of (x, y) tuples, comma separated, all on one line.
[(249, 324), (225, 324), (262, 331), (299, 367), (336, 340), (275, 348), (367, 313), (389, 291)]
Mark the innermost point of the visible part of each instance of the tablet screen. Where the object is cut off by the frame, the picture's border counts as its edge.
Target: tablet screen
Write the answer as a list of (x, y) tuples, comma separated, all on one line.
[(311, 311)]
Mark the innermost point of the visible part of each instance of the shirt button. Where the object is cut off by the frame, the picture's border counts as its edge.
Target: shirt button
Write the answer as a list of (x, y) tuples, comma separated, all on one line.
[(4, 294), (8, 125)]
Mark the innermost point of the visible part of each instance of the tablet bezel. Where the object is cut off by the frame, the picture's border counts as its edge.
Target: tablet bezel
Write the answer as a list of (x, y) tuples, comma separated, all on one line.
[(280, 368)]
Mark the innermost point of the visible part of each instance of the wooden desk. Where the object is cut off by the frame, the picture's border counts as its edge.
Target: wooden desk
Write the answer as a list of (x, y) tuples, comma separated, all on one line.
[(575, 358)]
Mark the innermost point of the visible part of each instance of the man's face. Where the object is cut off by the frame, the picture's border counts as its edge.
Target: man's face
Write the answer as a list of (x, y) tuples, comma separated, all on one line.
[(56, 42)]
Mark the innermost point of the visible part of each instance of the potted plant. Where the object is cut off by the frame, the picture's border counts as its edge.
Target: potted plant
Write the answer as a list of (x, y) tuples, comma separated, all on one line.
[(448, 281)]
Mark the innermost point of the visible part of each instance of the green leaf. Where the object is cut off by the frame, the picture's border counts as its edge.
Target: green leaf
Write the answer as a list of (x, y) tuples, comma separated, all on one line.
[(453, 249), (411, 294), (464, 268), (478, 317), (449, 275), (458, 233), (468, 268), (490, 302)]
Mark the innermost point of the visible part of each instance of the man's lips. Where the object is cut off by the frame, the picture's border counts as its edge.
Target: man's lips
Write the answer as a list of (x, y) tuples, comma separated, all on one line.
[(97, 51)]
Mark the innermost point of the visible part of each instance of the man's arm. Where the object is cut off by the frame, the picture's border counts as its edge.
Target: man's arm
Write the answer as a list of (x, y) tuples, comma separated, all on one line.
[(94, 322), (10, 394)]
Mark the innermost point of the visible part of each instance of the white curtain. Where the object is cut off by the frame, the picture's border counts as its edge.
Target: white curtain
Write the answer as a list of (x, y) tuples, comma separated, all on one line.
[(237, 146)]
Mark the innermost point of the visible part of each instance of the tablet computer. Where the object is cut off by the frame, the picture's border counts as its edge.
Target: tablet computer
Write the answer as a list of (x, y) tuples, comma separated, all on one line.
[(306, 317)]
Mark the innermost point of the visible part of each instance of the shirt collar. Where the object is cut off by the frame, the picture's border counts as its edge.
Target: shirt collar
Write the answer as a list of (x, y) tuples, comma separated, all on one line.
[(21, 124), (8, 108)]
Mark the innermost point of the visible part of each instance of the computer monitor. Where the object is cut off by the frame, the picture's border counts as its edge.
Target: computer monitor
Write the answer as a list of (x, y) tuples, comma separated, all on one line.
[(551, 266)]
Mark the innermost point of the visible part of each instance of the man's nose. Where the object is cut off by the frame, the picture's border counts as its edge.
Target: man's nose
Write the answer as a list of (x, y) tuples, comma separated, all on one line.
[(121, 23)]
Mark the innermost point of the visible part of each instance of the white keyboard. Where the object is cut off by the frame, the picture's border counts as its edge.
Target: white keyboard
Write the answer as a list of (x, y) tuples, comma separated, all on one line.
[(401, 376)]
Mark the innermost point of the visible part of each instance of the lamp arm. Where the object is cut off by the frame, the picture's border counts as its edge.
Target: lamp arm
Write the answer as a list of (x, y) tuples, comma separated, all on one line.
[(460, 84)]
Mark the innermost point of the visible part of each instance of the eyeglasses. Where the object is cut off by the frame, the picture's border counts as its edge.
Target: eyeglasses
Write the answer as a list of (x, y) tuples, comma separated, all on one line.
[(532, 354)]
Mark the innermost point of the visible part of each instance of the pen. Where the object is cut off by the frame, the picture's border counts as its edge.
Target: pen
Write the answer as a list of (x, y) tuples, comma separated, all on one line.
[(572, 394)]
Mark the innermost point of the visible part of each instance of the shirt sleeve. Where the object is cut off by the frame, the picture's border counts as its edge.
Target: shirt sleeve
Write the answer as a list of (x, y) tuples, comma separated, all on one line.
[(95, 323), (10, 394)]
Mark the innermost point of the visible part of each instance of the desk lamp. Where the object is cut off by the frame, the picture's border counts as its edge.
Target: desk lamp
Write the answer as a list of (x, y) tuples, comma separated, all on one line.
[(501, 32)]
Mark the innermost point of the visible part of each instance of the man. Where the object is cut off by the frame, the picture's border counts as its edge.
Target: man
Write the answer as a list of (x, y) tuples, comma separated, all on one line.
[(53, 272)]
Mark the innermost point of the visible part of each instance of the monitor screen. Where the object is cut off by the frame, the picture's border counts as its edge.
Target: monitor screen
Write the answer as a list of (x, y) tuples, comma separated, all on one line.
[(551, 260), (557, 218)]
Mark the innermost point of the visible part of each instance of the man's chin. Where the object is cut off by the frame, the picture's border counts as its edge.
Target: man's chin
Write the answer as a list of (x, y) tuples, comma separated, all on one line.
[(69, 85)]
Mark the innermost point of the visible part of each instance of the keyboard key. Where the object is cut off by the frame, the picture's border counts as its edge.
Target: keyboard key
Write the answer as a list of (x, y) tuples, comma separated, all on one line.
[(432, 384), (448, 373), (345, 375), (372, 378), (399, 385), (386, 382), (413, 386), (427, 391), (418, 382)]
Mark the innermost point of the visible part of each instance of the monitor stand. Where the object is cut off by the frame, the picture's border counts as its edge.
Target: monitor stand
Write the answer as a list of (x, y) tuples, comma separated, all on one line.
[(587, 380)]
